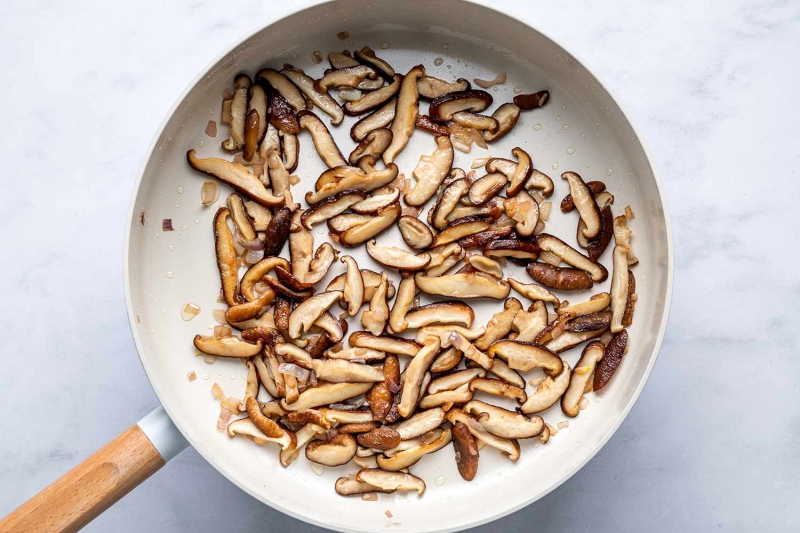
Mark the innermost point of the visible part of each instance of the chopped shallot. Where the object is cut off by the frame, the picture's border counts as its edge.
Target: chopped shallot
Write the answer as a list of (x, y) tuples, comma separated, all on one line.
[(211, 128), (166, 225), (499, 79), (209, 193)]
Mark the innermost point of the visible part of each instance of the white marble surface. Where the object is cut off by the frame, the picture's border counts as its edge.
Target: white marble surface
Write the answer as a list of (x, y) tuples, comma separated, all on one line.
[(713, 88)]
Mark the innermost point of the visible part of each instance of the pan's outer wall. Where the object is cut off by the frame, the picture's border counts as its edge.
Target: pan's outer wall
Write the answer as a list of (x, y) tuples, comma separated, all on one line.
[(153, 301)]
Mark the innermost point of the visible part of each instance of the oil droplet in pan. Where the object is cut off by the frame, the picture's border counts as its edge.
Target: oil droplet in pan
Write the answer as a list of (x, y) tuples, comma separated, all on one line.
[(439, 481), (385, 45), (537, 126), (438, 61), (170, 274), (316, 57), (570, 150), (518, 89), (609, 172), (317, 469), (445, 46), (180, 190), (555, 166)]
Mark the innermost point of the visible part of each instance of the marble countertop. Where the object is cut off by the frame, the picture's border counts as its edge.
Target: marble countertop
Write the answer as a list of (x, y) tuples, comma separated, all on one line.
[(711, 444)]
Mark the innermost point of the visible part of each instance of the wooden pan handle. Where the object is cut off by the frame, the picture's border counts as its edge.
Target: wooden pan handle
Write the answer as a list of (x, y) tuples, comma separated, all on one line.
[(93, 486)]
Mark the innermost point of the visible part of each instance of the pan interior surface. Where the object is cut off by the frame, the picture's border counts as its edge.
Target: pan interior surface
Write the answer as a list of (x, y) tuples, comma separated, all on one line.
[(582, 129)]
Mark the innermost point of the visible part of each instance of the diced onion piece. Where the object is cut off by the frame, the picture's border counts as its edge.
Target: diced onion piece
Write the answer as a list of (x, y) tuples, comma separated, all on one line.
[(629, 214), (209, 193), (219, 316), (499, 79), (544, 210), (190, 311), (211, 128)]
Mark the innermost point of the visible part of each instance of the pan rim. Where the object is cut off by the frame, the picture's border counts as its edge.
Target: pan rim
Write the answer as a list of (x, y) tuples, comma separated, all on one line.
[(494, 515)]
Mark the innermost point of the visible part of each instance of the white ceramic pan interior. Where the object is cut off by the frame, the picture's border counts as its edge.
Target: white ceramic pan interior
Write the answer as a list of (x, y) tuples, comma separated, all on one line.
[(582, 129)]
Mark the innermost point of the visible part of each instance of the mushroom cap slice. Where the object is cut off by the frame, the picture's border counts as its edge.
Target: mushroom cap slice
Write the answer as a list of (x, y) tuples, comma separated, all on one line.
[(336, 452), (227, 258), (414, 374), (514, 249), (353, 293), (581, 379), (374, 144), (323, 141), (510, 447), (571, 256), (374, 319), (379, 438), (271, 429), (377, 119), (596, 303), (570, 339), (466, 449), (229, 346), (504, 423), (340, 371), (507, 115), (235, 175), (384, 343), (320, 264), (455, 380), (501, 369), (457, 313), (444, 333), (285, 87), (486, 187), (527, 102), (430, 172), (326, 394), (391, 481), (406, 113), (371, 282), (614, 352), (498, 387), (487, 265), (374, 99), (431, 87), (526, 356), (500, 324), (533, 291), (585, 204), (356, 354), (524, 210), (330, 207), (406, 293), (470, 285), (620, 287), (522, 171), (420, 423), (410, 457), (448, 200), (305, 314), (366, 56), (238, 114), (351, 179), (475, 121), (397, 258), (322, 100), (447, 360), (336, 416), (548, 392), (308, 416), (294, 354), (561, 278), (345, 77), (469, 351), (346, 486), (463, 227), (333, 328), (303, 435), (444, 107), (377, 201), (415, 233), (383, 220)]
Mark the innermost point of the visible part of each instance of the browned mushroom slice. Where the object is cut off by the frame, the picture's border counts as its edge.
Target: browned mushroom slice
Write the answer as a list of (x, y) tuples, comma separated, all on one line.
[(406, 458), (380, 438), (390, 481), (414, 232), (346, 486), (308, 416), (384, 343), (279, 177), (326, 394), (448, 200), (245, 426), (240, 219), (430, 87), (571, 256), (366, 56), (526, 356), (522, 171), (472, 285), (378, 200), (540, 181), (455, 380), (406, 114), (430, 172), (527, 102), (273, 431), (570, 339), (356, 354), (397, 258), (363, 181), (237, 176), (486, 265), (466, 449), (285, 87), (475, 121), (581, 378), (524, 210), (227, 258), (444, 107), (595, 188), (305, 314), (320, 264), (336, 416), (255, 122), (596, 303), (384, 219), (259, 215), (353, 286), (498, 387), (620, 287), (591, 322), (374, 319), (301, 246), (585, 204), (371, 282), (595, 247), (413, 375), (276, 235), (470, 351), (504, 423), (247, 310), (282, 115), (267, 335), (323, 141), (485, 188), (340, 371), (512, 249), (304, 435), (509, 447), (258, 271), (347, 77), (420, 423), (461, 228), (374, 99), (294, 354), (238, 113), (426, 123), (561, 278), (456, 313), (548, 392), (612, 357), (330, 207), (444, 333), (323, 100), (500, 324), (374, 144), (533, 291), (507, 115), (335, 452), (627, 316), (230, 346), (482, 239), (377, 119)]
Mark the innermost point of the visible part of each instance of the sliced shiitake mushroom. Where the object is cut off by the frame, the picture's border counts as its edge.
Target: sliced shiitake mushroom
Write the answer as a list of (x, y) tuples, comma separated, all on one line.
[(482, 239), (256, 121), (533, 291), (470, 351), (259, 215), (426, 123), (385, 197), (323, 140), (227, 258), (307, 416), (301, 246), (294, 354), (526, 356), (247, 310), (470, 285), (346, 486), (338, 416), (321, 99), (448, 200), (500, 324), (595, 247), (304, 315), (390, 481), (374, 144), (475, 121), (415, 233), (456, 313), (335, 452), (353, 289), (527, 102), (571, 256), (330, 207), (581, 378), (509, 447), (363, 181), (377, 119), (413, 376), (366, 355), (238, 113), (522, 171), (540, 181), (504, 423), (484, 264), (585, 204), (454, 380), (354, 429), (342, 60), (326, 394), (591, 322), (346, 221), (521, 251), (548, 392), (430, 87), (381, 438), (627, 316), (384, 343), (524, 210), (245, 426), (420, 423), (570, 339), (229, 346), (397, 258), (320, 264), (507, 116), (303, 435), (595, 188), (374, 319), (374, 99), (485, 188), (366, 56), (371, 282), (271, 429), (612, 357), (406, 114), (268, 336), (444, 333), (282, 114), (529, 324), (340, 371), (561, 278), (237, 176), (406, 458), (279, 177), (406, 293), (498, 387), (466, 449), (430, 172), (285, 87), (383, 220), (251, 133), (347, 77), (446, 399), (444, 107), (596, 303), (463, 227)]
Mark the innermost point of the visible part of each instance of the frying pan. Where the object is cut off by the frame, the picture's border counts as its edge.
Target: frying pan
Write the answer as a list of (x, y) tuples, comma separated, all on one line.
[(582, 129)]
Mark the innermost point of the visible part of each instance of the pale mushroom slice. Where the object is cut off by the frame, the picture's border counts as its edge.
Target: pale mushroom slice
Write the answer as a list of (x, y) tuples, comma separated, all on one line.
[(526, 356), (259, 215), (322, 100), (406, 293), (256, 272), (487, 265), (504, 423), (366, 56), (294, 354), (620, 278), (390, 481), (342, 60), (533, 291), (514, 249), (584, 203), (410, 457), (323, 140), (451, 194), (469, 285), (374, 319), (241, 88), (470, 351), (256, 121), (335, 452), (413, 376), (456, 313), (383, 220), (463, 227), (570, 339), (353, 288), (415, 233), (540, 181), (356, 354), (326, 394), (497, 387), (346, 486), (363, 181), (528, 324), (420, 423), (431, 87), (522, 172), (329, 208), (499, 326), (374, 99), (371, 282), (227, 258), (406, 113), (301, 246), (475, 121), (377, 119), (430, 172), (347, 77), (581, 380), (265, 377), (596, 303), (246, 427), (507, 115), (455, 380), (290, 150), (509, 447), (279, 177), (373, 144), (240, 219), (571, 256), (308, 311), (320, 264), (446, 361), (307, 416), (397, 258), (485, 188), (440, 255), (337, 416), (235, 175), (304, 435), (228, 346), (273, 431), (346, 221), (380, 199), (492, 209), (444, 332), (340, 371), (523, 210), (384, 343), (444, 107), (285, 87)]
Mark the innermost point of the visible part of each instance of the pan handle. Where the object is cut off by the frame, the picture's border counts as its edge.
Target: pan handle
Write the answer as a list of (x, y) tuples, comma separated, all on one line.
[(80, 495)]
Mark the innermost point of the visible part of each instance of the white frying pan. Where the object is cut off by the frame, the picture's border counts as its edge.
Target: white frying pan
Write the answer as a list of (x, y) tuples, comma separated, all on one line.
[(582, 129)]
